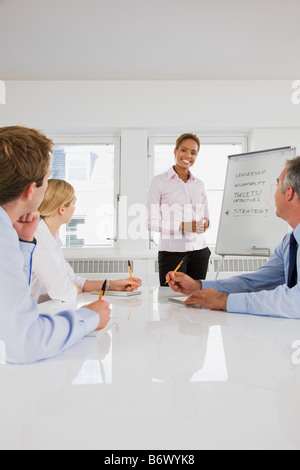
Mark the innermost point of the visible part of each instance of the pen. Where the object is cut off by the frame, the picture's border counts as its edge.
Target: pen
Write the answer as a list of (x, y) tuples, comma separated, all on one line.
[(103, 290), (179, 266), (130, 273)]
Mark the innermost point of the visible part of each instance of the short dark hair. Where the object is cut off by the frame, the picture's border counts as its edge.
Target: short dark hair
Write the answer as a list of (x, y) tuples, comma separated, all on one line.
[(24, 159), (186, 137)]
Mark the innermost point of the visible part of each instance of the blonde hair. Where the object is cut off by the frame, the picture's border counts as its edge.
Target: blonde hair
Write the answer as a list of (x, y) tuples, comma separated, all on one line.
[(58, 193)]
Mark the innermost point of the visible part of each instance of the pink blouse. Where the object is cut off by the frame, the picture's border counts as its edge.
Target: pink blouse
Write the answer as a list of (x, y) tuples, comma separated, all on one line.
[(171, 202)]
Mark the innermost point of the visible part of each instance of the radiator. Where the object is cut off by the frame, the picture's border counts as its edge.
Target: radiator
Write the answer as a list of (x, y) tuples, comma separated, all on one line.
[(233, 265), (95, 266), (236, 265)]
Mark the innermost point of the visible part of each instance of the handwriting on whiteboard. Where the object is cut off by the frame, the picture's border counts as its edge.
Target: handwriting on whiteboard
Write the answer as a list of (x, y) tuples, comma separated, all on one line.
[(251, 195)]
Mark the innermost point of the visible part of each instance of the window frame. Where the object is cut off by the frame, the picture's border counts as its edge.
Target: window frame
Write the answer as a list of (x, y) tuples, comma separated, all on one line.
[(97, 140)]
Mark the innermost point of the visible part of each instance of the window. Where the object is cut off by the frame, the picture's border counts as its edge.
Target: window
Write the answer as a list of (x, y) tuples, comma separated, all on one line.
[(210, 167), (91, 166)]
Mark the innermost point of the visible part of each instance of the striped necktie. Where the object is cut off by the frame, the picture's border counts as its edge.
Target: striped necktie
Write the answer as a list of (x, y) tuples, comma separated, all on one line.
[(292, 277)]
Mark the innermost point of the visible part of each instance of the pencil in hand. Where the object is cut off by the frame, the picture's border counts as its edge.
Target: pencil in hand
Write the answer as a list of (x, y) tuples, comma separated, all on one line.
[(130, 273), (179, 266), (103, 290)]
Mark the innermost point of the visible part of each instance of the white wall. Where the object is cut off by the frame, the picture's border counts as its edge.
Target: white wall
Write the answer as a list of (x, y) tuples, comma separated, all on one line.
[(100, 106), (134, 183), (275, 138), (137, 109)]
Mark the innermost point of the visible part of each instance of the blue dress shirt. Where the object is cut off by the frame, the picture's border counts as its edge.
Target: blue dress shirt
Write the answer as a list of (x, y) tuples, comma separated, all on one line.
[(264, 292), (27, 335)]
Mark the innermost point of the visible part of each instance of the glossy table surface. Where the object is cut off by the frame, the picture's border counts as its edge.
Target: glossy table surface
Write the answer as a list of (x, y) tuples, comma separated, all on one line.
[(164, 377)]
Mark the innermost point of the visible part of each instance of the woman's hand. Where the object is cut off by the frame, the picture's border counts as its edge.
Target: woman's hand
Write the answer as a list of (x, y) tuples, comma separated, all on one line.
[(126, 284), (195, 226)]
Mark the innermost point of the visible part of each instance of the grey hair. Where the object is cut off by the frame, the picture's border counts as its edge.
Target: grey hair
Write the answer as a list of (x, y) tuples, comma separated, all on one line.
[(292, 176)]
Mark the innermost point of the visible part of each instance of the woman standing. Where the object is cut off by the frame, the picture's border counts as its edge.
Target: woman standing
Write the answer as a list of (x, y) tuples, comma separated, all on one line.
[(52, 276), (177, 208)]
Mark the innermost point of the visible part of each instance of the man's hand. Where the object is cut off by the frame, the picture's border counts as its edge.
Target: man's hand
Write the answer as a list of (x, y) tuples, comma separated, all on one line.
[(208, 298), (26, 226), (102, 308), (180, 282)]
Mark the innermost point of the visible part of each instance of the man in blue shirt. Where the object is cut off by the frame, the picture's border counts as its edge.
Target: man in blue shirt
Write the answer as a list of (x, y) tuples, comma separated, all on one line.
[(275, 288), (25, 335)]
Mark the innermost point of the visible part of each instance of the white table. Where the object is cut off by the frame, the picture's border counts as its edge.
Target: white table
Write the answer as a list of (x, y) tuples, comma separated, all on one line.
[(165, 377)]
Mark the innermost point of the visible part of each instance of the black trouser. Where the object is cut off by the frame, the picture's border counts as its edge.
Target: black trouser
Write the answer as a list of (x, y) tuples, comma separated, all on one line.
[(196, 266)]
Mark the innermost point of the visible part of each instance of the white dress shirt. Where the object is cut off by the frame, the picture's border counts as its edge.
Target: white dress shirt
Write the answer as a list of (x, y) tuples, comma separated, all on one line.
[(52, 276), (171, 202), (26, 335), (264, 292)]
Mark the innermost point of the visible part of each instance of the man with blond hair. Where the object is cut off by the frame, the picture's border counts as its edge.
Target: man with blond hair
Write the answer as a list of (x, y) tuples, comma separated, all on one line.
[(275, 288), (26, 335)]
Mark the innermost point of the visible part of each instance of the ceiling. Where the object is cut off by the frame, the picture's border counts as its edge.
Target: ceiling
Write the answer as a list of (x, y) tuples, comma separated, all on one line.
[(149, 39)]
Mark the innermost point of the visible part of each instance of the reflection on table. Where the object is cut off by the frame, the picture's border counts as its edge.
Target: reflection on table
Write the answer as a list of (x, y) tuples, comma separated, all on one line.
[(165, 377)]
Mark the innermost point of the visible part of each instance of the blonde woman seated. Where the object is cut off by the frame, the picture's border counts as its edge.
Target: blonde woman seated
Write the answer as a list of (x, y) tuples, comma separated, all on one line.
[(52, 276)]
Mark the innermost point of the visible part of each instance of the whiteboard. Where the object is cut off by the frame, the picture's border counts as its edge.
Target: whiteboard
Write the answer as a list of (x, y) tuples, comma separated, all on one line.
[(248, 222)]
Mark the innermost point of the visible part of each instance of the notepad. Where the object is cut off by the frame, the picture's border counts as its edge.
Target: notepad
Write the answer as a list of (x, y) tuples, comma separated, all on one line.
[(119, 294), (178, 300), (181, 300), (123, 293), (109, 325)]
